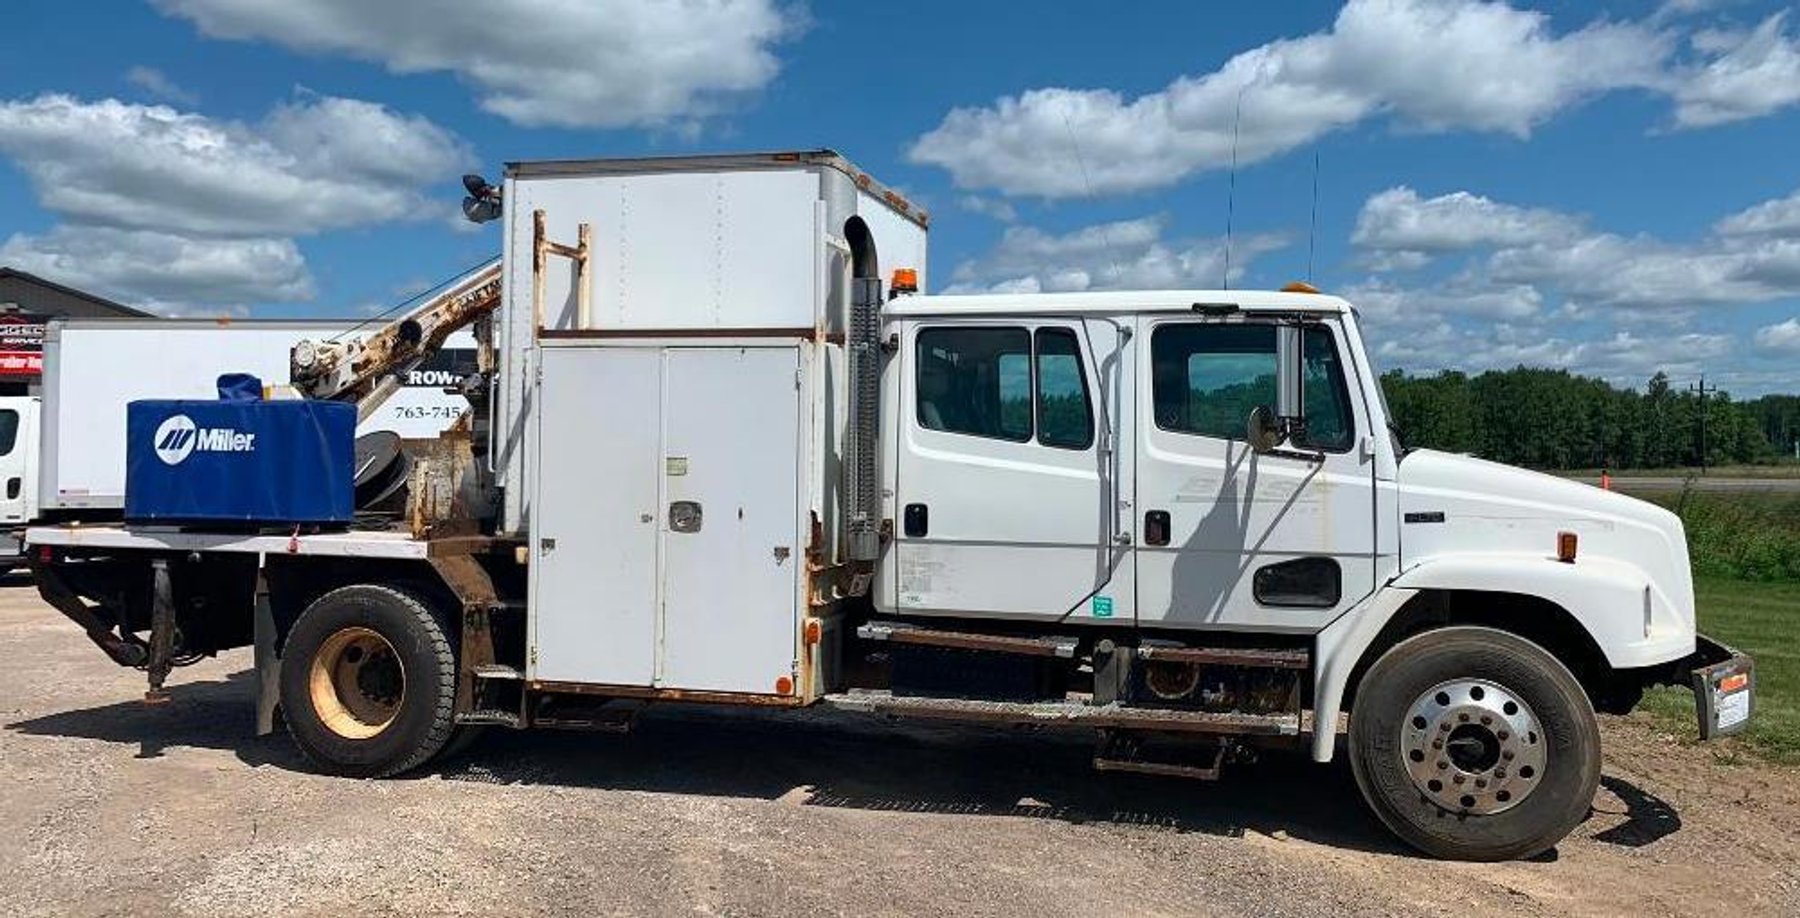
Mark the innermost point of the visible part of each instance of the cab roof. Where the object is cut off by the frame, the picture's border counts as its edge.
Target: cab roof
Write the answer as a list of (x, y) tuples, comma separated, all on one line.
[(1115, 301)]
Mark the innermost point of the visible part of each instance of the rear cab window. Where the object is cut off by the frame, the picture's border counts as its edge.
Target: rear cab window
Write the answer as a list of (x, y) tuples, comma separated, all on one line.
[(1011, 383)]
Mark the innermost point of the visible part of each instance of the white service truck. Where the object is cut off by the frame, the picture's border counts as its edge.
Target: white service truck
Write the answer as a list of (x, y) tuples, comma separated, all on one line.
[(717, 460), (62, 454)]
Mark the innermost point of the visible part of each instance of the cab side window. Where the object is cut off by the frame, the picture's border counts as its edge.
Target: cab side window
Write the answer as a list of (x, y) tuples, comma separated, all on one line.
[(9, 430), (1065, 419), (975, 381), (1005, 384), (1207, 377)]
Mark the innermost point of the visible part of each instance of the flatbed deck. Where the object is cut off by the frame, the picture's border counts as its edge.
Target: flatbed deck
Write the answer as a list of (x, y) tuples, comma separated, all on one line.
[(348, 544)]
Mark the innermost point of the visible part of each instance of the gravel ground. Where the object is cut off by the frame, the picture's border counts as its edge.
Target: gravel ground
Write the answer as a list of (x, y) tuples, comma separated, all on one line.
[(112, 808)]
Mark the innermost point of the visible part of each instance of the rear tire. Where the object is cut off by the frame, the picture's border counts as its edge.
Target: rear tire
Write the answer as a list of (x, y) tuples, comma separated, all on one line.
[(368, 682), (1419, 716)]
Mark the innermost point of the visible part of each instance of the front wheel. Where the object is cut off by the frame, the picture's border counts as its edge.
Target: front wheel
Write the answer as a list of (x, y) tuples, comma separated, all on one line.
[(368, 682), (1474, 744)]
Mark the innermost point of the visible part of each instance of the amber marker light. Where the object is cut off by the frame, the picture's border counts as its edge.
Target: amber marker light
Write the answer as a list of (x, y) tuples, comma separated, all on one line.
[(906, 280), (1565, 547)]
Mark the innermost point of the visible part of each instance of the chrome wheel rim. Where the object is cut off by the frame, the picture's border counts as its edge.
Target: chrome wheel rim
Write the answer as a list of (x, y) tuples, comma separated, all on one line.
[(1472, 746)]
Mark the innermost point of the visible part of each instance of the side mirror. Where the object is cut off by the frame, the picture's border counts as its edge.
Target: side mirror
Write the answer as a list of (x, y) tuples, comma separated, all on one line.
[(1289, 357), (1263, 431)]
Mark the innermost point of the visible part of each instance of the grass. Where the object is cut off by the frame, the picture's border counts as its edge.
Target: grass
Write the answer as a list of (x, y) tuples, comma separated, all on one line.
[(1740, 536), (1758, 619)]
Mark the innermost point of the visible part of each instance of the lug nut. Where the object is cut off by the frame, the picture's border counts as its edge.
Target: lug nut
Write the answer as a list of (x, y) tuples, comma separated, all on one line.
[(1463, 717), (1445, 726), (1499, 774), (1457, 778), (1480, 782), (1507, 755), (1504, 735), (1486, 719), (1437, 744), (1443, 764)]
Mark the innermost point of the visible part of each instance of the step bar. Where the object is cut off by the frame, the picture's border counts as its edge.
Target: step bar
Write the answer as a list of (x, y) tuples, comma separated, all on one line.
[(903, 633), (1063, 714)]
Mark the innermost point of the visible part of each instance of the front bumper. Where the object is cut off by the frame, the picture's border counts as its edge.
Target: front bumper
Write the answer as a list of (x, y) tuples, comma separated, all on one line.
[(1724, 684)]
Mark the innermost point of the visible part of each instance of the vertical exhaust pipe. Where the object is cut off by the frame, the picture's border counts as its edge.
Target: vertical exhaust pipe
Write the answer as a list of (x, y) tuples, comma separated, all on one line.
[(862, 482)]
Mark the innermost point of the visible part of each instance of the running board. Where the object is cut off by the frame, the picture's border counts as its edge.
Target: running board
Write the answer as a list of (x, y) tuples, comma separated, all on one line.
[(1063, 714), (1228, 656), (903, 633)]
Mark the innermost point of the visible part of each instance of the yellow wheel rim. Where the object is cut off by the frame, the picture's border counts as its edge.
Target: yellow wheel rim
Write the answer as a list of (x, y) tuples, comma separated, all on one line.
[(356, 682)]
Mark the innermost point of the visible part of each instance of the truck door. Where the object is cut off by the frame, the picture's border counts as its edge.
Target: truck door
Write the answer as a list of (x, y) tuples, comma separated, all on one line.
[(18, 442), (1008, 486), (1231, 539)]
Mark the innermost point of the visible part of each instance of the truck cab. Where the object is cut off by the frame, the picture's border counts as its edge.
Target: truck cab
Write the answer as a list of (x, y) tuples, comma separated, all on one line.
[(18, 473)]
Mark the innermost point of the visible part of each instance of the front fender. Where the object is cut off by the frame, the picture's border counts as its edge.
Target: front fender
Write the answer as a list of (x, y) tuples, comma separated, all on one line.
[(1606, 597), (1629, 617)]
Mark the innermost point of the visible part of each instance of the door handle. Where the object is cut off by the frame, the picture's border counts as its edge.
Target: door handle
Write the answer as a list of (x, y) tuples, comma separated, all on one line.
[(1156, 527), (685, 516), (12, 488), (916, 521)]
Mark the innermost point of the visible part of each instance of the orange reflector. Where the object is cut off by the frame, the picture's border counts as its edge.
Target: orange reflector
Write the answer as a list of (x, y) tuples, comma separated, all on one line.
[(906, 280), (784, 685), (1299, 287), (1565, 547), (1734, 682), (814, 631)]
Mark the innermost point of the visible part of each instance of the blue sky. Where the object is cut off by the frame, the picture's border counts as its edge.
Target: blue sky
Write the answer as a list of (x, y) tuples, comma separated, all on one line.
[(1612, 189)]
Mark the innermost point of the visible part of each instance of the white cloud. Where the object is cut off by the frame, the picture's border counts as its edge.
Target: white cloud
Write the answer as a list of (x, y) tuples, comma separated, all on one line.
[(1753, 256), (597, 63), (163, 271), (1780, 217), (1384, 302), (1750, 75), (314, 164), (158, 85), (1402, 230), (997, 208), (1430, 65), (1119, 255), (1782, 338), (162, 205)]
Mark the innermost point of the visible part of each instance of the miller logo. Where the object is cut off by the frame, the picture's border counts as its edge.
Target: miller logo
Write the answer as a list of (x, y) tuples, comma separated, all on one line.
[(179, 435)]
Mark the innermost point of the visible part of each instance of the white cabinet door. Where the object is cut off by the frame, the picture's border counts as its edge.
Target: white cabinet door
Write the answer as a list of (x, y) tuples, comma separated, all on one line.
[(730, 532), (1230, 538), (594, 532)]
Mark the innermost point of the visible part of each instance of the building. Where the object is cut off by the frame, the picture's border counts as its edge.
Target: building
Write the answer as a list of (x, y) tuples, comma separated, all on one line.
[(26, 303)]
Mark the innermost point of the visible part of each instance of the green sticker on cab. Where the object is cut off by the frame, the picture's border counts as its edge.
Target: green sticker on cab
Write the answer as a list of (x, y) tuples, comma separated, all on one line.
[(1102, 607)]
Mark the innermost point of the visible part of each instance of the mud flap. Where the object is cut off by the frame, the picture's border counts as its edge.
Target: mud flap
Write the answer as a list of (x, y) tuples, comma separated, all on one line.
[(1724, 684)]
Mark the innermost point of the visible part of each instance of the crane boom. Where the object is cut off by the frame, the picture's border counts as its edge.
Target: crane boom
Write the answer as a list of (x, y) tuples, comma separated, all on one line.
[(366, 370)]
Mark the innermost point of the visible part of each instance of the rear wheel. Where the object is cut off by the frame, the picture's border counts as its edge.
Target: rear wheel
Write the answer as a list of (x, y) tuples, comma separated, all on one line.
[(1474, 744), (368, 682)]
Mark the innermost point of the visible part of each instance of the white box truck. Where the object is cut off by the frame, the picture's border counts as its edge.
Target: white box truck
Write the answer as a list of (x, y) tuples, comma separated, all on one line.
[(720, 461), (62, 454)]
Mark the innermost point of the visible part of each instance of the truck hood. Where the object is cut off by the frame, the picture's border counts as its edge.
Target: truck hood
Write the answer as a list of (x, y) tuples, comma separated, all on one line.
[(1453, 504)]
